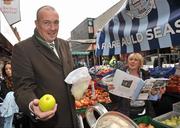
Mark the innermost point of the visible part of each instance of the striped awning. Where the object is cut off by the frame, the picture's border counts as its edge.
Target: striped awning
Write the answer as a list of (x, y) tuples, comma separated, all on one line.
[(142, 25)]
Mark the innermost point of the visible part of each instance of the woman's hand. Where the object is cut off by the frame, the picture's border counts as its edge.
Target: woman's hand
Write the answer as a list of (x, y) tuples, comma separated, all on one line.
[(43, 116), (162, 90), (110, 87)]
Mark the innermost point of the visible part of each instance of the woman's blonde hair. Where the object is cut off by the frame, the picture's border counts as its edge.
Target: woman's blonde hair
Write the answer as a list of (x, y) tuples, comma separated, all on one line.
[(137, 56)]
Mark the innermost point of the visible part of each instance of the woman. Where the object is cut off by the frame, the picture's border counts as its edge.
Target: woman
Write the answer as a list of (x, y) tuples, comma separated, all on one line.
[(6, 87), (7, 84), (133, 109)]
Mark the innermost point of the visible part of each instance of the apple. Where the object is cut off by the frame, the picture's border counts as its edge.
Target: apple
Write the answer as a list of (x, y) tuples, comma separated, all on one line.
[(47, 102)]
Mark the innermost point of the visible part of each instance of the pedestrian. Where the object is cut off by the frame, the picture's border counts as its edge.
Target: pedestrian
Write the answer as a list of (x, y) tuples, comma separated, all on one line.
[(40, 69), (6, 84)]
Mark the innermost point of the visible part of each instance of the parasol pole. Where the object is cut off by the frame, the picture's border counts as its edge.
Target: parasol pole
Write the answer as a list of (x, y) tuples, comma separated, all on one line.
[(159, 61)]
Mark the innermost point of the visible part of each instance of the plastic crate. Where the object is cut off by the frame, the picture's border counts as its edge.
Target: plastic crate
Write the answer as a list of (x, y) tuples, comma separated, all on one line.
[(147, 120), (165, 116), (176, 107)]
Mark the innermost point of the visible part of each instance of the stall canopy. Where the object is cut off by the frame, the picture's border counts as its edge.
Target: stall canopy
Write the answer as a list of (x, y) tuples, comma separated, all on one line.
[(140, 26)]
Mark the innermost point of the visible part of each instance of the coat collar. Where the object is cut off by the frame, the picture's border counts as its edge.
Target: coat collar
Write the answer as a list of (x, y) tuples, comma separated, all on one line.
[(46, 51)]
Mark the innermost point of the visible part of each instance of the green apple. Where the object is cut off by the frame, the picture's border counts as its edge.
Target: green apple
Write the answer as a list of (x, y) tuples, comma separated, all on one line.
[(47, 102)]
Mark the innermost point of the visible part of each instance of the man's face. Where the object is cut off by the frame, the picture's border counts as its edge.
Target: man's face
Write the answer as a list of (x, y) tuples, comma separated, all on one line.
[(48, 25)]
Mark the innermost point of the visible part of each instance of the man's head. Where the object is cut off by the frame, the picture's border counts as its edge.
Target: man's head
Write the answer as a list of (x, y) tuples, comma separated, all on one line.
[(47, 23)]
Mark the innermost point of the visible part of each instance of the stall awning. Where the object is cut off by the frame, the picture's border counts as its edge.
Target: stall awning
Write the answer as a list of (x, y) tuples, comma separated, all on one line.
[(142, 25), (83, 45), (6, 30)]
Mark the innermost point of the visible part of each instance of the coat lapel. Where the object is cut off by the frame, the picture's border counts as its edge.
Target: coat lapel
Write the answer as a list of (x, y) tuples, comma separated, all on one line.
[(46, 51), (65, 57)]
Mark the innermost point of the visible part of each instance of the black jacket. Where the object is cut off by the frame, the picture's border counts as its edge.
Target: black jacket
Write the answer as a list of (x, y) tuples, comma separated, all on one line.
[(4, 89), (37, 71)]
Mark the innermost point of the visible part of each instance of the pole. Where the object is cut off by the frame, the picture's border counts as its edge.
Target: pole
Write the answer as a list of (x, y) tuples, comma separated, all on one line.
[(159, 61)]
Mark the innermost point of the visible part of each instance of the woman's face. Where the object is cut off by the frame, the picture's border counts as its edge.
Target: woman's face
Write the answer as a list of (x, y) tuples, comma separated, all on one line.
[(133, 63), (8, 70)]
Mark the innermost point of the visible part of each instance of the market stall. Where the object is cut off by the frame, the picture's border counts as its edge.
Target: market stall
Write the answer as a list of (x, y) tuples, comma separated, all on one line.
[(143, 26)]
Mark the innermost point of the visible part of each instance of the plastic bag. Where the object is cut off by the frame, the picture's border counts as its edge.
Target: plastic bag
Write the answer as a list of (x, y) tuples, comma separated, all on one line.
[(80, 79)]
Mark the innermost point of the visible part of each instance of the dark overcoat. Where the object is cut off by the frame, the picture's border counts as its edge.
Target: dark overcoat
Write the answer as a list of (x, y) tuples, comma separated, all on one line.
[(37, 71)]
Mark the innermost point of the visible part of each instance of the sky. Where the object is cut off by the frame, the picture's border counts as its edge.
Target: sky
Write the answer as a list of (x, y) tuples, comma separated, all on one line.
[(71, 13)]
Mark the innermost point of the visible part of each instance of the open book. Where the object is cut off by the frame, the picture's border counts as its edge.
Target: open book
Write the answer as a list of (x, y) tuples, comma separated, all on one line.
[(134, 88)]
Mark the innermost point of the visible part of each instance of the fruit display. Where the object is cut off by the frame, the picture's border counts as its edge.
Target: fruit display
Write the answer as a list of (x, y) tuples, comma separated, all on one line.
[(145, 125), (101, 70), (147, 122), (170, 119), (174, 121), (174, 84), (47, 102), (91, 97)]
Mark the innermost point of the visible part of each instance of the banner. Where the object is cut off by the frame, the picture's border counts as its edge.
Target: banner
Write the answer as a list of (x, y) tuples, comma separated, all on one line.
[(142, 25), (11, 10), (6, 31)]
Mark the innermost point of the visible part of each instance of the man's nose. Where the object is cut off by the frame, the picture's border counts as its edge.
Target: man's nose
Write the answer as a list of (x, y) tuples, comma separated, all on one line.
[(53, 26)]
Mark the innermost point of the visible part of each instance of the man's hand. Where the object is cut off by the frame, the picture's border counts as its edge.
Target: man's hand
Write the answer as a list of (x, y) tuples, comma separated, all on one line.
[(43, 116)]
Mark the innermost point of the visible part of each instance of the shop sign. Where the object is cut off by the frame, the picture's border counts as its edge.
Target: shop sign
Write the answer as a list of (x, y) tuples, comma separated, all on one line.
[(11, 10), (6, 30)]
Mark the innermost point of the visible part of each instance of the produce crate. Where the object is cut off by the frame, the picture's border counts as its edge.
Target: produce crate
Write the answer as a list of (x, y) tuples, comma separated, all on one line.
[(176, 107), (166, 116), (83, 110), (147, 120)]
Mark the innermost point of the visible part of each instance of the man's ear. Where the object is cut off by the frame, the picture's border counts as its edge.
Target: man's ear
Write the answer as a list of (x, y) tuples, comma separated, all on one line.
[(36, 23)]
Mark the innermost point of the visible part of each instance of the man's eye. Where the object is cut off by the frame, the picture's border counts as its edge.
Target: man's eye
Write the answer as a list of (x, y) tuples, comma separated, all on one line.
[(56, 22), (47, 23)]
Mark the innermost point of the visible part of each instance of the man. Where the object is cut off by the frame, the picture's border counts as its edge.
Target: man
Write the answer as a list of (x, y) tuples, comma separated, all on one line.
[(38, 70)]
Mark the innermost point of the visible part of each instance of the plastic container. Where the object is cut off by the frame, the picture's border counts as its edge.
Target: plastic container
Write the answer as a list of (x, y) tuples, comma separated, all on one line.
[(147, 120), (176, 107), (107, 119), (166, 116)]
